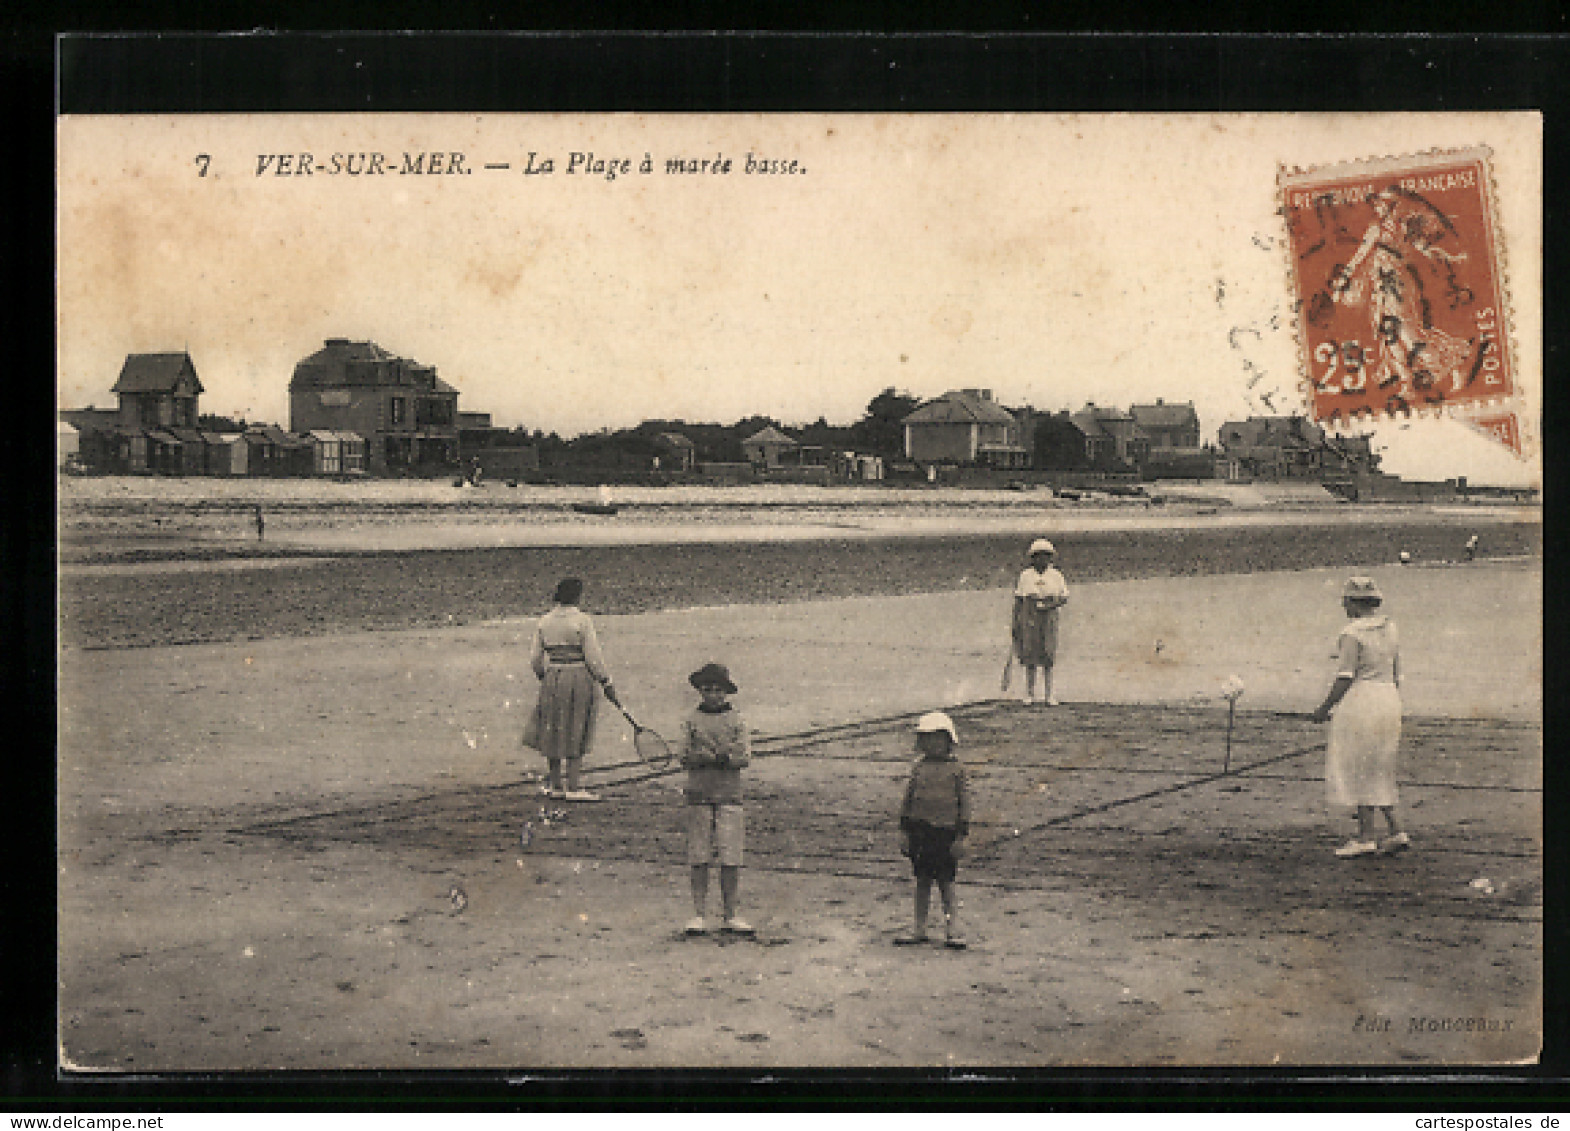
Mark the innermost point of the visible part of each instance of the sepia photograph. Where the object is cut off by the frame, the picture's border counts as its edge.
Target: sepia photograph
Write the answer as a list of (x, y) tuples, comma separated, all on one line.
[(582, 591)]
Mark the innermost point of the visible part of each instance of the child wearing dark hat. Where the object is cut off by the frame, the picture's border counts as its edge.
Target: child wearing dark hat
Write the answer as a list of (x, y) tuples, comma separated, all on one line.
[(715, 746), (933, 820)]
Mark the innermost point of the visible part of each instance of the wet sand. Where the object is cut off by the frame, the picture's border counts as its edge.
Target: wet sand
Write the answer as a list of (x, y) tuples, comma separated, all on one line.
[(259, 838)]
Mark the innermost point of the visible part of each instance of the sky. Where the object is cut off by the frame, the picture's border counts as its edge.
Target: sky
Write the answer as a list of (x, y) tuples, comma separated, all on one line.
[(1052, 259)]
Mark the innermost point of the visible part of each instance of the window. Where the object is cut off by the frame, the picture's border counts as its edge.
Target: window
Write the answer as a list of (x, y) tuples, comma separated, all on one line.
[(398, 409)]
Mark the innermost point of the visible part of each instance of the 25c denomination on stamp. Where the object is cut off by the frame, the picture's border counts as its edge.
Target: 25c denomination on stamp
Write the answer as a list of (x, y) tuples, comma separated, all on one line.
[(1397, 275)]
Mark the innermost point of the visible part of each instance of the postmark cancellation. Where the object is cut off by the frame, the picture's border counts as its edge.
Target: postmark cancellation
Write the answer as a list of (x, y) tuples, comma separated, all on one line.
[(1397, 270)]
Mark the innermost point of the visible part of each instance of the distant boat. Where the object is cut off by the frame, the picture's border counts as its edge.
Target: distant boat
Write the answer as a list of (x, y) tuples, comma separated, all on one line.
[(604, 506)]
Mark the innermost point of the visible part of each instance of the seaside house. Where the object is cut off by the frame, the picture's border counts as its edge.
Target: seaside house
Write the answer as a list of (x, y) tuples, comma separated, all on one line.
[(1167, 426), (677, 452), (158, 390), (1095, 438), (768, 448), (1293, 447), (964, 426), (405, 413)]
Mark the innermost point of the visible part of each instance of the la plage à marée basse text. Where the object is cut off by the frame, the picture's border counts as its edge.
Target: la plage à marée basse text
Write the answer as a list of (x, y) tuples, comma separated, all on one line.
[(451, 162)]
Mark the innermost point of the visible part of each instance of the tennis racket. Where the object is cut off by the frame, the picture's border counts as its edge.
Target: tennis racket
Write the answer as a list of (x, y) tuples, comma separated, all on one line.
[(1008, 674), (652, 749)]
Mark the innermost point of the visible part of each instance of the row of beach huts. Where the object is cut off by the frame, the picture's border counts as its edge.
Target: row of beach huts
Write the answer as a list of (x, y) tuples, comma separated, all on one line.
[(261, 450)]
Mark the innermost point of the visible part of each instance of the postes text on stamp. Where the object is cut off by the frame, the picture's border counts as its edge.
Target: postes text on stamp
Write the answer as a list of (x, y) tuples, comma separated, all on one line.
[(1396, 266)]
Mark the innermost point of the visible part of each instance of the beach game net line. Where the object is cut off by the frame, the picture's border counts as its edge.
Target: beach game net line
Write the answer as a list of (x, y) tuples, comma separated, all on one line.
[(1099, 825)]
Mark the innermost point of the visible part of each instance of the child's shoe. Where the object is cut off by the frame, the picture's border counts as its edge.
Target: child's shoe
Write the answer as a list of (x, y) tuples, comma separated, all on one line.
[(1358, 848), (915, 938), (695, 926), (954, 941), (580, 795), (737, 926)]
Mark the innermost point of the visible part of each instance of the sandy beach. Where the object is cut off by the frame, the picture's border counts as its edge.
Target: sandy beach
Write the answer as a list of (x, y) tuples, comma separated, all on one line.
[(260, 837)]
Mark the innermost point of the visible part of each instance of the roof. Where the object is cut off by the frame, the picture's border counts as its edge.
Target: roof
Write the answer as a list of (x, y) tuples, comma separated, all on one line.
[(960, 408), (341, 363), (160, 436), (1087, 422), (223, 437), (336, 435), (91, 419), (1165, 415), (677, 440), (769, 435), (275, 435), (187, 435), (154, 372)]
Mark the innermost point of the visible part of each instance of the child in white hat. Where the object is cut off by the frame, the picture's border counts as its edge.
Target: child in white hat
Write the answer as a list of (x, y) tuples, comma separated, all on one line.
[(934, 821), (1038, 596)]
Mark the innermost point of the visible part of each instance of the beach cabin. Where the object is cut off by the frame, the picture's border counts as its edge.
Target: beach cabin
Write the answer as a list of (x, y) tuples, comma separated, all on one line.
[(336, 453), (227, 453), (68, 444), (271, 451), (193, 451)]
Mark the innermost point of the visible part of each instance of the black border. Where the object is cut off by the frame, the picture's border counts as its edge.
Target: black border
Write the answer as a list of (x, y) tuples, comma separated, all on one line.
[(599, 69)]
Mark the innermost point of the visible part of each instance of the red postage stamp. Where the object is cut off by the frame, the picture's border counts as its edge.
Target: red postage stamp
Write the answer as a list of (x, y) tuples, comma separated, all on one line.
[(1397, 276)]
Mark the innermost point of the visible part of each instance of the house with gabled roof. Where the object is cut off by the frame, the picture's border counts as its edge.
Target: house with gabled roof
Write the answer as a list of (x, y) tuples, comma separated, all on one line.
[(1093, 438), (158, 390), (1167, 425), (407, 415), (768, 447), (679, 452), (964, 426)]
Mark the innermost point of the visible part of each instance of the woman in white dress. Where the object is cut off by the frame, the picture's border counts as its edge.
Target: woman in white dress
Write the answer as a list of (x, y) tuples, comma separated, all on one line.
[(1364, 710), (1038, 596), (567, 661)]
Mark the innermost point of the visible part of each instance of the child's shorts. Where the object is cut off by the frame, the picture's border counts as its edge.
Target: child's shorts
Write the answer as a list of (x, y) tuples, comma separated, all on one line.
[(715, 831), (931, 851)]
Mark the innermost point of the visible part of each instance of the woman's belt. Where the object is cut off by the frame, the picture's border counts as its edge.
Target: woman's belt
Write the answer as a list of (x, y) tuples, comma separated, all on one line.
[(564, 654)]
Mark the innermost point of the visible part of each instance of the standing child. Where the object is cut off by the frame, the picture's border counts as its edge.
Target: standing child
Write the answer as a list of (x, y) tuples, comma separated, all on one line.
[(1039, 594), (715, 747), (933, 820)]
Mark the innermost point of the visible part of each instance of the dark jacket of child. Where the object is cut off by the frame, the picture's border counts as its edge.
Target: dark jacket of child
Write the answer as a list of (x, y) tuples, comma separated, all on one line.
[(937, 796), (715, 746)]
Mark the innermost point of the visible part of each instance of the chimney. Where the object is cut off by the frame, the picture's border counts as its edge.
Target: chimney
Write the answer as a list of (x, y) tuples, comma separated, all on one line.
[(1159, 402)]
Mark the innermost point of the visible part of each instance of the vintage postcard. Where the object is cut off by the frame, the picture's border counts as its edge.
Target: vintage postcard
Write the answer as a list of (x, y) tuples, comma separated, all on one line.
[(544, 592)]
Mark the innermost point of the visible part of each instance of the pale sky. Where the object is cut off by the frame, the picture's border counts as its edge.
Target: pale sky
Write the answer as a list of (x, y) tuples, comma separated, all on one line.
[(1052, 259)]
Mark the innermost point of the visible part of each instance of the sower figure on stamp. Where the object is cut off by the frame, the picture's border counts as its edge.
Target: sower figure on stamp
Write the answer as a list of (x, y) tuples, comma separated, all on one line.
[(715, 746), (934, 821), (1038, 596), (1407, 349), (567, 661), (1364, 710)]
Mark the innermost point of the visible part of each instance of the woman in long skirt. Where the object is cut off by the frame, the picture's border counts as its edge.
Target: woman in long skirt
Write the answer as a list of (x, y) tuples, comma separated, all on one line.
[(1038, 596), (1364, 709), (566, 659)]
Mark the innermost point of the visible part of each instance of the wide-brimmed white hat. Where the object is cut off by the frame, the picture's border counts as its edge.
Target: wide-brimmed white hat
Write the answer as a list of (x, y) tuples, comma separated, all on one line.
[(1362, 589), (934, 721), (1042, 546)]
